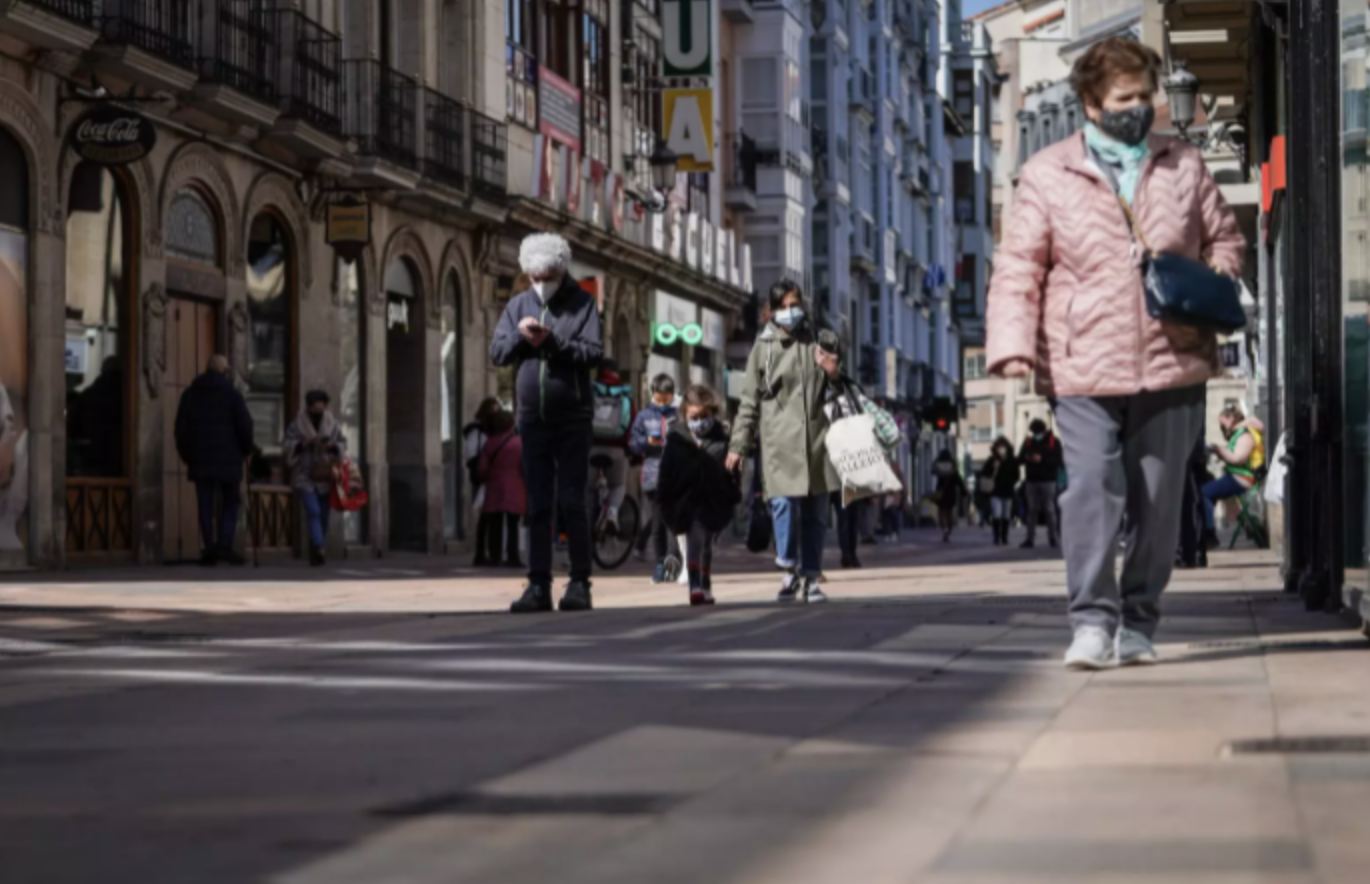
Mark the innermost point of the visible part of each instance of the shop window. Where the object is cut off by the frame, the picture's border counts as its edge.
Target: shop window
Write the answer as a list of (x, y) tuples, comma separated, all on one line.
[(270, 268), (97, 331), (14, 325), (452, 467), (351, 398)]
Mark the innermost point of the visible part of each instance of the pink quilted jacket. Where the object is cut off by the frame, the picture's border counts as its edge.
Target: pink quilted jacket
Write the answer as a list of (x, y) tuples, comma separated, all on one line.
[(1066, 295)]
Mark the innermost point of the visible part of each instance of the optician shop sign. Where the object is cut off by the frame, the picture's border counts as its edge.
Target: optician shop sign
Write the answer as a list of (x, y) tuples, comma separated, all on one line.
[(112, 136)]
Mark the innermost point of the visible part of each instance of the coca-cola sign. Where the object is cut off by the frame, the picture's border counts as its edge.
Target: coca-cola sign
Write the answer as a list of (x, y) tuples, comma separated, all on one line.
[(112, 136)]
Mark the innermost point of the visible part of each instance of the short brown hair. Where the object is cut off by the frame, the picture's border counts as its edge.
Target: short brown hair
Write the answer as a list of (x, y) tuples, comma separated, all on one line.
[(1095, 71), (701, 396)]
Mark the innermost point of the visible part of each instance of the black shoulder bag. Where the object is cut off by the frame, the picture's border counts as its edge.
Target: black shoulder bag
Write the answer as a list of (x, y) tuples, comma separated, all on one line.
[(1187, 292)]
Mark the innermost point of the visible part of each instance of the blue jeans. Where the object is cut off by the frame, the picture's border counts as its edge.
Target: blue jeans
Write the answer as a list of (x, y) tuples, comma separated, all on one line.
[(232, 498), (316, 510), (800, 530), (1219, 489)]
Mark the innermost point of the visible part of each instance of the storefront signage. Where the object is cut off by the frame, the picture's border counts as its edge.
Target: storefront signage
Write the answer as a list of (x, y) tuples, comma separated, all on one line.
[(712, 323), (560, 109), (666, 335), (689, 118), (347, 227), (686, 40), (112, 136)]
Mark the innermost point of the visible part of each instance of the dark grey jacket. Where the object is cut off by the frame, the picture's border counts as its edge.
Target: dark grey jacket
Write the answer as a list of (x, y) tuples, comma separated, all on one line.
[(552, 383)]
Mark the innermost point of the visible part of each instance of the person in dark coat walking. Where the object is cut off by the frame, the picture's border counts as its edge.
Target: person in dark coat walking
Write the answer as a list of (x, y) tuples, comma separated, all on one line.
[(551, 335), (214, 438), (1005, 487), (1042, 461), (950, 491)]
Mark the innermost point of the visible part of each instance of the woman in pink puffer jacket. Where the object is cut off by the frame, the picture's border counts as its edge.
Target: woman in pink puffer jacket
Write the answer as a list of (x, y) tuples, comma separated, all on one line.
[(1066, 302)]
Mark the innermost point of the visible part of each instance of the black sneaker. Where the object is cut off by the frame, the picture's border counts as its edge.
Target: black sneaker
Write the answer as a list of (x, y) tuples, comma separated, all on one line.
[(790, 588), (209, 558), (536, 599), (229, 557), (813, 593), (316, 559), (577, 597)]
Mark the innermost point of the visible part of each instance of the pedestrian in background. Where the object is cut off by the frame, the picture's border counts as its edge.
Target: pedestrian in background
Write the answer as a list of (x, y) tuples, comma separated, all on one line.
[(1242, 453), (213, 434), (473, 437), (506, 498), (648, 441), (783, 394), (1004, 472), (313, 446), (892, 507), (1042, 462), (843, 399), (551, 335), (949, 493), (1067, 301), (698, 494)]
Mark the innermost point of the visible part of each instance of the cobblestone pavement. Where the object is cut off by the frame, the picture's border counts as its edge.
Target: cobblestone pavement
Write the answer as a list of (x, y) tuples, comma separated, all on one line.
[(382, 722)]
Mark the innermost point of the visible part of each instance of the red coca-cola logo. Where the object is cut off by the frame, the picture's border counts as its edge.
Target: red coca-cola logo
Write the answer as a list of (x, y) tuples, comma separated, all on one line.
[(112, 136)]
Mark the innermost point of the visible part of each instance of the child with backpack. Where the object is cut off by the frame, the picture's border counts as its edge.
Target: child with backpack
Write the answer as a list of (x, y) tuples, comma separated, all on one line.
[(647, 442), (696, 492)]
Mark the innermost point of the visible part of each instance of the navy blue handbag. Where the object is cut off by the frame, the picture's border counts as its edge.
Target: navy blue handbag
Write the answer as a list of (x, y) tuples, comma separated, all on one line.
[(1188, 292)]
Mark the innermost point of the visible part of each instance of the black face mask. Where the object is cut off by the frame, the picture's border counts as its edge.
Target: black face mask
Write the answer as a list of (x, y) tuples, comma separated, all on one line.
[(1129, 126), (315, 419)]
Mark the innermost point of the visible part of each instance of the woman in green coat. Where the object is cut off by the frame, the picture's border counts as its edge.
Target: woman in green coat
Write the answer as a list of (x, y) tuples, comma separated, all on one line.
[(782, 405)]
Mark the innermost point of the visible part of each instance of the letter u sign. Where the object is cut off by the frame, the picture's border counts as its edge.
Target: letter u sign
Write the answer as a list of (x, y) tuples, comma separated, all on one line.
[(687, 44)]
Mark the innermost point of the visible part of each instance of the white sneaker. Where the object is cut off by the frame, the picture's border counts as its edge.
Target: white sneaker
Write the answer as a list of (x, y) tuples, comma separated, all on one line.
[(684, 578), (1093, 648), (611, 520), (1135, 649)]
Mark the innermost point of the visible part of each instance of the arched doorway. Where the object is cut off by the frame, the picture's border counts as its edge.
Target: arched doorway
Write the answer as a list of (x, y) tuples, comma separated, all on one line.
[(453, 413), (196, 288), (405, 408), (351, 398), (99, 365), (14, 347), (270, 377)]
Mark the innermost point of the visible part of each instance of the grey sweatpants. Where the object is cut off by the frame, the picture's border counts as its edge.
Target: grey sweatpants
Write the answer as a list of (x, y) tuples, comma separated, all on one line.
[(1124, 455)]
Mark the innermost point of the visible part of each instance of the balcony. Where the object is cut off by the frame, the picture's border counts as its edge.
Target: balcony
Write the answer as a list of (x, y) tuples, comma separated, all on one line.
[(740, 182), (380, 111), (239, 80), (310, 87), (861, 92), (739, 12), (51, 24), (490, 157), (153, 43), (863, 246)]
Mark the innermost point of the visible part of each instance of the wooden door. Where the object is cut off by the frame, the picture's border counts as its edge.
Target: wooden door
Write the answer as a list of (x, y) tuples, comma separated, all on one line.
[(192, 333)]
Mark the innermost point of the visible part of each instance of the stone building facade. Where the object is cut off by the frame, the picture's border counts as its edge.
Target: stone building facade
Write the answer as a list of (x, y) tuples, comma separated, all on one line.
[(117, 282)]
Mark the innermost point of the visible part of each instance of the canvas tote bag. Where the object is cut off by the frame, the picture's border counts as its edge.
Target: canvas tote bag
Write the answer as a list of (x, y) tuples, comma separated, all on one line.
[(855, 452)]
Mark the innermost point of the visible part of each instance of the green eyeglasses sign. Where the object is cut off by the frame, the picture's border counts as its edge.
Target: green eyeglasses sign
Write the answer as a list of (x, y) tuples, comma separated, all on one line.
[(667, 334)]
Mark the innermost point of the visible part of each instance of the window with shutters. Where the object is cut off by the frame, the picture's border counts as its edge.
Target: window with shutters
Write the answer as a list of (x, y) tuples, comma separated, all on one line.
[(594, 53), (521, 61)]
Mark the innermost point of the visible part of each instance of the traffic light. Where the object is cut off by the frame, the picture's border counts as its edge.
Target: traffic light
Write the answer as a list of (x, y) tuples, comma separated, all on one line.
[(943, 414)]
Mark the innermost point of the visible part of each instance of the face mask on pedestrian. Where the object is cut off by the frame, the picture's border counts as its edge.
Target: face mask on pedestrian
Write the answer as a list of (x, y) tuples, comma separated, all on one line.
[(789, 318), (1040, 437), (544, 288), (701, 425), (1130, 126), (316, 417)]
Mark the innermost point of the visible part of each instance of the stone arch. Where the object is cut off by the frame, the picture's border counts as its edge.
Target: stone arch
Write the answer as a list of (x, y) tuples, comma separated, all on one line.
[(456, 260), (20, 114), (198, 164), (273, 191), (406, 243), (140, 182)]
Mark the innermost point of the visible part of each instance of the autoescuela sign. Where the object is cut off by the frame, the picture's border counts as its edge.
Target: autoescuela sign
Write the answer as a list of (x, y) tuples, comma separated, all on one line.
[(112, 136)]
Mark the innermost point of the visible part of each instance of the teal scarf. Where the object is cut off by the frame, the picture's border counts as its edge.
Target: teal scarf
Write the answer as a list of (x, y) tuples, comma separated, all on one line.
[(1125, 157)]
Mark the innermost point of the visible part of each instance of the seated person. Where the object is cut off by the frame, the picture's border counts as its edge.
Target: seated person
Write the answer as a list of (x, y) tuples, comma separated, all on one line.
[(1243, 456)]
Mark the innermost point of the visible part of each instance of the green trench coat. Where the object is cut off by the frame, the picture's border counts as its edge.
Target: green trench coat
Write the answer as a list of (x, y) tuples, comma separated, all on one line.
[(782, 399)]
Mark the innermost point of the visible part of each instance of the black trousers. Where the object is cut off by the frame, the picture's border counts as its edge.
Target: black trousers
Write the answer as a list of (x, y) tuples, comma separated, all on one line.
[(848, 525), (495, 526), (556, 466)]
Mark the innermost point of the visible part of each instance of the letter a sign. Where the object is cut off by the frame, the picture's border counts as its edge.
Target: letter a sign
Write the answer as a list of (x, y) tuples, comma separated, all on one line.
[(687, 44), (689, 122)]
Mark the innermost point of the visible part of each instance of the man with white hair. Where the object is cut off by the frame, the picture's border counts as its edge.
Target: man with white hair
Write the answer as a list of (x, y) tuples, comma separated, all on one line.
[(551, 334)]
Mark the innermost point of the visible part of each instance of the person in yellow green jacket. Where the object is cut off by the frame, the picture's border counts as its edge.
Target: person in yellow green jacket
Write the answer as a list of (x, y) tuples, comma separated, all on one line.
[(1243, 455)]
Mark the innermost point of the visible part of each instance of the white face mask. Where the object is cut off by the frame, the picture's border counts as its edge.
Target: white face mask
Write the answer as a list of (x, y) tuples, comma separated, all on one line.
[(789, 317), (545, 289)]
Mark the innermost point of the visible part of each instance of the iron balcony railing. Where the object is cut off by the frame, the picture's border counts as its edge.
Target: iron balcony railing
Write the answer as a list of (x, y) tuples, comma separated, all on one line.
[(490, 156), (381, 111), (246, 56), (310, 71), (444, 155), (164, 28), (80, 11), (741, 147)]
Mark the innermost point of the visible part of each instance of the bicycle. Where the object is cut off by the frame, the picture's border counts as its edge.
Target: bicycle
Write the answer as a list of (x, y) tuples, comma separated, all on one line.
[(611, 544)]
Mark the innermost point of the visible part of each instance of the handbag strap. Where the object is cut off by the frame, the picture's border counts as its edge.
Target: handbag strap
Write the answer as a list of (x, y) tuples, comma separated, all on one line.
[(1132, 222)]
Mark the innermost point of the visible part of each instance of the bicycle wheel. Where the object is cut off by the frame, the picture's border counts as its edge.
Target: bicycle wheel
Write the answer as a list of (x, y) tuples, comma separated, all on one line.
[(612, 547)]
